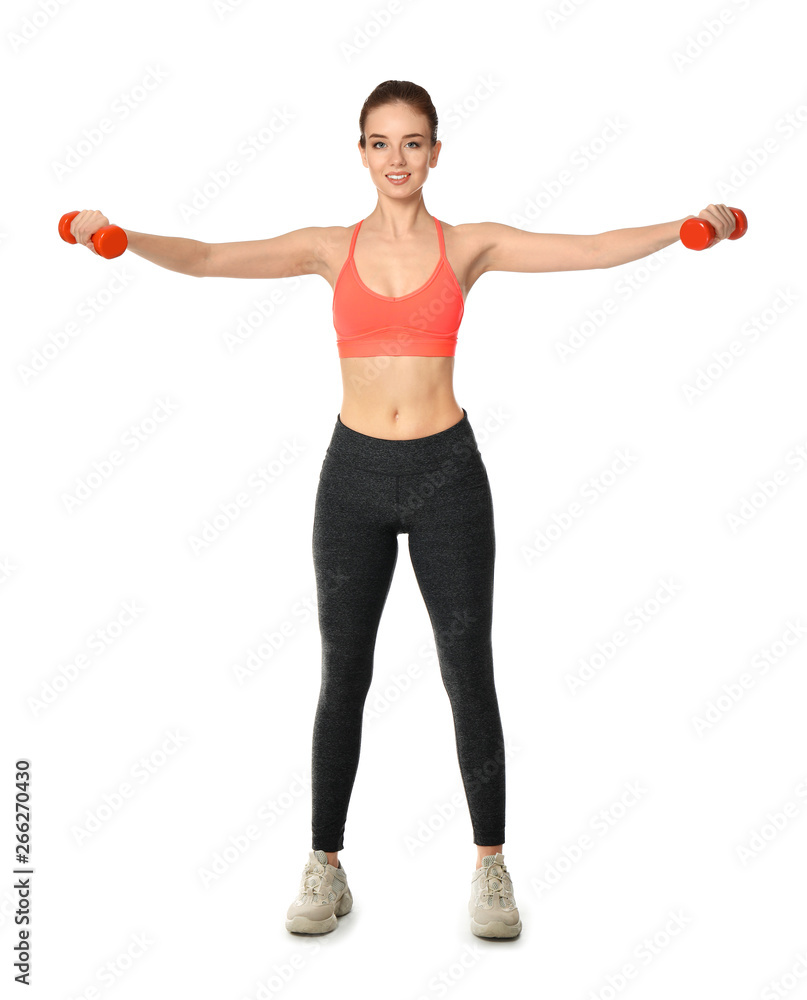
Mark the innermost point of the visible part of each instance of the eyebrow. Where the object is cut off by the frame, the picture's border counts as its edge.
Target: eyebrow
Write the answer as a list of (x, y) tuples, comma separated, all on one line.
[(412, 135)]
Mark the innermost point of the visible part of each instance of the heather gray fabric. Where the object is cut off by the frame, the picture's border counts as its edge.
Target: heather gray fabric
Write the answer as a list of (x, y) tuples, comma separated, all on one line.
[(436, 489)]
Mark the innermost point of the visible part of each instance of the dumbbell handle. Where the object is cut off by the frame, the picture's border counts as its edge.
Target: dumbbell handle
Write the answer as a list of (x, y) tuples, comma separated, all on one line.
[(109, 241), (698, 234)]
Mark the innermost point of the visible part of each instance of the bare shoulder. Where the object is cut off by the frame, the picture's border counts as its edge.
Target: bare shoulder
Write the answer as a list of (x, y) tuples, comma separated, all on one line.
[(469, 236), (334, 244), (467, 247)]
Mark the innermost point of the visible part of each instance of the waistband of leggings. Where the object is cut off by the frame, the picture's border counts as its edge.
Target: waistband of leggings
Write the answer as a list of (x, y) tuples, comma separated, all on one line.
[(406, 456)]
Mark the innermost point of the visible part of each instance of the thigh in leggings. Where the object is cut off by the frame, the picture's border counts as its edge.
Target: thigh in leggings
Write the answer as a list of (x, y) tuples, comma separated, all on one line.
[(435, 489)]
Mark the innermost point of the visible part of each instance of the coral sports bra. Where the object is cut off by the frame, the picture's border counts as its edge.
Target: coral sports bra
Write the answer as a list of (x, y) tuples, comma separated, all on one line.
[(424, 322)]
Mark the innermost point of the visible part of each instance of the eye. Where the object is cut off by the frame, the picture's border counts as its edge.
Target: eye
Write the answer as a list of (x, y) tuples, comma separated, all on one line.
[(412, 142)]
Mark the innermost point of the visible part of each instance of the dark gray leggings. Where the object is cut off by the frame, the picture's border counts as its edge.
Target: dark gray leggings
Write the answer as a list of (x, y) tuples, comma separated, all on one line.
[(436, 489)]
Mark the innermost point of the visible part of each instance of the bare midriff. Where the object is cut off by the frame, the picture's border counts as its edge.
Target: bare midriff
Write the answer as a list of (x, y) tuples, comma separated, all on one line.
[(398, 397)]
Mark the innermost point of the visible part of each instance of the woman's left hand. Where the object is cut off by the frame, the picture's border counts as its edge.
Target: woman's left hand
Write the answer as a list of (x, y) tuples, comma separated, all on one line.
[(721, 218)]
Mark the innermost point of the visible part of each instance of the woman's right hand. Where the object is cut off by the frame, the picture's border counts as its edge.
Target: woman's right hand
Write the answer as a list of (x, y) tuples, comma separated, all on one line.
[(86, 223)]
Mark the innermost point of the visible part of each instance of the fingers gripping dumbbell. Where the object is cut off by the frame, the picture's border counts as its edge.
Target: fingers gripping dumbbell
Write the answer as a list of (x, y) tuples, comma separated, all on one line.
[(699, 234), (109, 241)]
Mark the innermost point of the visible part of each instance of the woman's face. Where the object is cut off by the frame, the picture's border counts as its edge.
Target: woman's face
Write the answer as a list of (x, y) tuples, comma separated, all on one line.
[(398, 142)]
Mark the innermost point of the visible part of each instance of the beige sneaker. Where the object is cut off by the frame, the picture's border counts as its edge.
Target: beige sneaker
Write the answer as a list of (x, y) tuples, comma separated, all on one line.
[(492, 908), (324, 895)]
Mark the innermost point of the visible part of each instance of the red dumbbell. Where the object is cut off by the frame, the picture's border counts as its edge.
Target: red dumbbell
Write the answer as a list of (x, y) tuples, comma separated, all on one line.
[(109, 241), (698, 234)]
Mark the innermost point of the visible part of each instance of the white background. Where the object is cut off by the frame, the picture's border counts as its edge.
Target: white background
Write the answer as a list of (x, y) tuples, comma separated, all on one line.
[(522, 91)]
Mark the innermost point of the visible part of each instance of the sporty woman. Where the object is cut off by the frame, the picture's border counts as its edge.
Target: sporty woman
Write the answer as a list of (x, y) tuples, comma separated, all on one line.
[(403, 458)]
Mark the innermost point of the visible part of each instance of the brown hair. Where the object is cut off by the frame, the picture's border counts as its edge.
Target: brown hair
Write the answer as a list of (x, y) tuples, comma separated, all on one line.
[(399, 92)]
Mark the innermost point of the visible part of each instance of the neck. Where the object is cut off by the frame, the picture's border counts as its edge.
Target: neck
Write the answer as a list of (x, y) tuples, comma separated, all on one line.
[(396, 217)]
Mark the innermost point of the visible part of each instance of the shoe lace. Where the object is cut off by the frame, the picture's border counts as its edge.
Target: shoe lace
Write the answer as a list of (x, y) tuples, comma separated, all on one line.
[(311, 883), (497, 884)]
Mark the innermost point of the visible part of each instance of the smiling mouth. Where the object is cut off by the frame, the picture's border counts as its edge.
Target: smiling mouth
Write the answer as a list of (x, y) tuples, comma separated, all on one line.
[(397, 178)]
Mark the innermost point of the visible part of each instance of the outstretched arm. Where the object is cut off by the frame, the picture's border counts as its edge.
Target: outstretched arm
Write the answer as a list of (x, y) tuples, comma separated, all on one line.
[(618, 246), (284, 256), (176, 253), (504, 248)]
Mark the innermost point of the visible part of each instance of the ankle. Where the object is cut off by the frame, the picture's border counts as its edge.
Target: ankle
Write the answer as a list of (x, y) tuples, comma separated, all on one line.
[(482, 852), (333, 858)]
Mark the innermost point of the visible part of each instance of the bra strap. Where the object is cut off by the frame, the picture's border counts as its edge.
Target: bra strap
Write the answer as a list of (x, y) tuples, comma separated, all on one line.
[(353, 239), (440, 237), (438, 227)]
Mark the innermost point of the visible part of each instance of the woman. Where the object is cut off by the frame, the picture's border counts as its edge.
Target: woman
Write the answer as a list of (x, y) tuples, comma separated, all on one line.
[(403, 458)]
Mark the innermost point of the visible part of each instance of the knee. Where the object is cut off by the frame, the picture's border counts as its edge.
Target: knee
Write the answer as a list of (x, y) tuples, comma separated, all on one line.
[(465, 650)]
